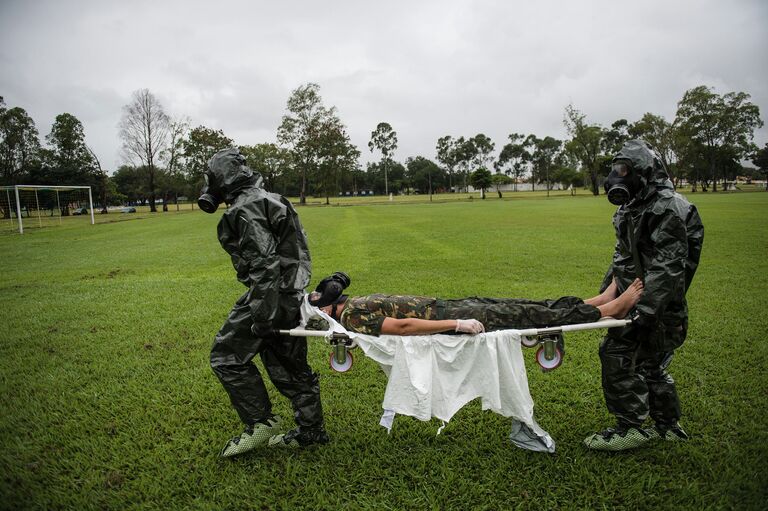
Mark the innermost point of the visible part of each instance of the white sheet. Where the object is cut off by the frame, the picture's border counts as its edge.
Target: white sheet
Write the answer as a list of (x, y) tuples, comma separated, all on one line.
[(436, 375)]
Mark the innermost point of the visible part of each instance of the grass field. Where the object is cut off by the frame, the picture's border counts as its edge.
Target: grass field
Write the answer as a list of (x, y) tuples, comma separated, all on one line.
[(107, 400)]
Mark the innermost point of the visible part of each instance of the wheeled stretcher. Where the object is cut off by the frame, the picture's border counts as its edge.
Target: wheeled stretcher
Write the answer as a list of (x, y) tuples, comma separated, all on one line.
[(550, 342), (433, 376)]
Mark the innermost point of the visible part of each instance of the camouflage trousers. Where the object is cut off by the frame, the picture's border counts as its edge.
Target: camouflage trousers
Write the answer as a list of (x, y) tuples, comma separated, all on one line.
[(505, 313)]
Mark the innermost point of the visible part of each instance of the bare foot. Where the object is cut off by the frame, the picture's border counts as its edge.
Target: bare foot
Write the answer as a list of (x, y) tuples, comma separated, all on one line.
[(604, 297), (621, 306)]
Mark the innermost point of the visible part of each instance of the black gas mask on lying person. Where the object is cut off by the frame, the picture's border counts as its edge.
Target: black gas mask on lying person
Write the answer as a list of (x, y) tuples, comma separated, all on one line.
[(623, 183), (329, 291)]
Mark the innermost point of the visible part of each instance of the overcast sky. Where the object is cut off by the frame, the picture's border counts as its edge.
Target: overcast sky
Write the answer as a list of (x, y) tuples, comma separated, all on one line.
[(429, 68)]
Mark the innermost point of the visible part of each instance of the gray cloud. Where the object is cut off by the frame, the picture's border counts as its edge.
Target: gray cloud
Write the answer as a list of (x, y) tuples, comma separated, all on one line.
[(428, 68)]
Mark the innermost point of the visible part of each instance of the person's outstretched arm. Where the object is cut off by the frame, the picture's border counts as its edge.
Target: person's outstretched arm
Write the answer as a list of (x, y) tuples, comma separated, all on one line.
[(414, 326)]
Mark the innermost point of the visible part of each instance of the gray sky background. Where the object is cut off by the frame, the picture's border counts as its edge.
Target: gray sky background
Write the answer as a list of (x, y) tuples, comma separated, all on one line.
[(429, 68)]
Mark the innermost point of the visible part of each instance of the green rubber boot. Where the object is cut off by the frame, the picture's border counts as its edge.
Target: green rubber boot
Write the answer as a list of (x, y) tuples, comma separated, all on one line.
[(618, 439), (254, 436)]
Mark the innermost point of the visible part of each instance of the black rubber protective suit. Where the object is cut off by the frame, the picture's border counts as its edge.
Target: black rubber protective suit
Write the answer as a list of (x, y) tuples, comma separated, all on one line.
[(668, 235), (262, 234)]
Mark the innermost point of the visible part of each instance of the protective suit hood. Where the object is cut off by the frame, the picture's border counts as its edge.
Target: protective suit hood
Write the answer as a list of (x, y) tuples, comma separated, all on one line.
[(227, 176), (647, 173)]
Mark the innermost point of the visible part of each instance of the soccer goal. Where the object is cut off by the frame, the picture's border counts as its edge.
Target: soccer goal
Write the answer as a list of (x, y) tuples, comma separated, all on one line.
[(36, 206)]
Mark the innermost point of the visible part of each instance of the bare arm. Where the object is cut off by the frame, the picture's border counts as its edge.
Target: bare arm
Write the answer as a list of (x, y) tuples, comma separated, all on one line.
[(414, 326)]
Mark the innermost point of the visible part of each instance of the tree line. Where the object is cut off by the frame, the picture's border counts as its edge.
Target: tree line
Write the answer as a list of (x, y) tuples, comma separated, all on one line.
[(165, 158)]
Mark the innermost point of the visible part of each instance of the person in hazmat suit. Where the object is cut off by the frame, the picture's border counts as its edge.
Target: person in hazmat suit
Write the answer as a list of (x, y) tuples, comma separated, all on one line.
[(659, 237), (265, 240)]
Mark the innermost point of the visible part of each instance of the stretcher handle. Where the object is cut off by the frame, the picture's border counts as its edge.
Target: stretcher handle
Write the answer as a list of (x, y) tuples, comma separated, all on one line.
[(606, 323), (301, 332)]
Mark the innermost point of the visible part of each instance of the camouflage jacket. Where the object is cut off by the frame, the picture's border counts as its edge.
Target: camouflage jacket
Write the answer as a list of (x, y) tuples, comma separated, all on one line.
[(365, 314)]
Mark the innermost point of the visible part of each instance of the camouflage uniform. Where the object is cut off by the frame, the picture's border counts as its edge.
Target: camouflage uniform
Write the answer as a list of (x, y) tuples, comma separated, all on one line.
[(365, 314)]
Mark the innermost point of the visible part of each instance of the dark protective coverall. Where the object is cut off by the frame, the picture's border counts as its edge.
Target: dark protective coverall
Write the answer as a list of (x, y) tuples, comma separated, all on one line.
[(668, 236), (365, 314), (262, 234)]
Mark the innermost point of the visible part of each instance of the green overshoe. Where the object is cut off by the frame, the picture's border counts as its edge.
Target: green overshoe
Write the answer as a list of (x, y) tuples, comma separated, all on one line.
[(296, 439), (618, 439), (279, 441), (254, 436), (673, 434)]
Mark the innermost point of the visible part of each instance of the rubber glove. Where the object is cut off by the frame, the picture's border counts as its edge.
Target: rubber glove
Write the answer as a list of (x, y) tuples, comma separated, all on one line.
[(469, 326)]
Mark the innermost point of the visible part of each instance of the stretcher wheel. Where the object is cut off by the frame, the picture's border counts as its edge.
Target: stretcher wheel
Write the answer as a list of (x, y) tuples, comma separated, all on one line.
[(343, 367), (548, 365), (529, 342)]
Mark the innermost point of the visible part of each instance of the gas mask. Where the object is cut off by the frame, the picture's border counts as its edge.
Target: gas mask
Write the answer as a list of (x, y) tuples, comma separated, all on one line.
[(623, 183), (209, 200), (329, 290)]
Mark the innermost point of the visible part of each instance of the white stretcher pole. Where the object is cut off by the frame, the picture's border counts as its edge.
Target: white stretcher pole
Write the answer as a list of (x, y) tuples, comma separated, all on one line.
[(301, 332), (606, 323)]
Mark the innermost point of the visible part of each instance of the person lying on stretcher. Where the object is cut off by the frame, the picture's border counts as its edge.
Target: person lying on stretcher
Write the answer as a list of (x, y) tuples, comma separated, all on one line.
[(380, 314)]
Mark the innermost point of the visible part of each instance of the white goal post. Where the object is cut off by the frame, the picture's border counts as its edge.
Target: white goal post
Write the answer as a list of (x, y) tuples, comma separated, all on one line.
[(17, 199)]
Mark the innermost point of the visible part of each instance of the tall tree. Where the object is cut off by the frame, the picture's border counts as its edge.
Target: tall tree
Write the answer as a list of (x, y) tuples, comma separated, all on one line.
[(131, 182), (447, 155), (70, 160), (760, 159), (19, 143), (514, 157), (384, 139), (337, 156), (466, 154), (483, 147), (692, 160), (423, 174), (544, 154), (481, 179), (655, 130), (172, 158), (300, 129), (144, 131), (585, 144), (269, 160), (375, 176), (199, 146), (615, 137), (723, 124)]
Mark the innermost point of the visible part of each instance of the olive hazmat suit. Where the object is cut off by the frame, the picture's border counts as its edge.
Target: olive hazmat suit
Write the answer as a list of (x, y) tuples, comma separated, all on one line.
[(659, 237), (262, 234)]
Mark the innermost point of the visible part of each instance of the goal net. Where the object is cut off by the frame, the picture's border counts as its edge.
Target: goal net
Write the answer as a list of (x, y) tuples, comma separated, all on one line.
[(36, 206)]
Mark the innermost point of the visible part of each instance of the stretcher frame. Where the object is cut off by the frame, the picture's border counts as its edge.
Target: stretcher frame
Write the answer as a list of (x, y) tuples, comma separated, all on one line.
[(550, 340)]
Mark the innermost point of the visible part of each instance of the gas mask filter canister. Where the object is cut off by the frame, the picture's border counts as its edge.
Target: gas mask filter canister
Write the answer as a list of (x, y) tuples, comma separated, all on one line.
[(208, 201)]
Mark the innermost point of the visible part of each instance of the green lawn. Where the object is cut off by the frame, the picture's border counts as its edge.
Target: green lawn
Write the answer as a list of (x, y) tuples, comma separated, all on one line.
[(107, 399)]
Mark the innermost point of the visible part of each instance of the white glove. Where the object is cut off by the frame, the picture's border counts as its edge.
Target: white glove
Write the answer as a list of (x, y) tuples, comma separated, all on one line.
[(469, 326)]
